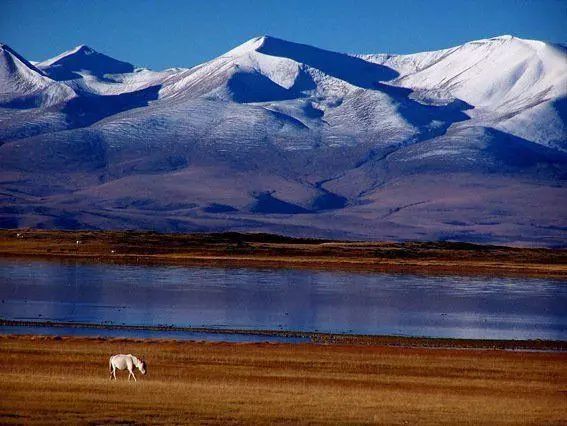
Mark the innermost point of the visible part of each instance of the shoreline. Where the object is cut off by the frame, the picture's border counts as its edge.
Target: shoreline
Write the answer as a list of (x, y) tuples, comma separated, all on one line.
[(233, 250), (311, 337)]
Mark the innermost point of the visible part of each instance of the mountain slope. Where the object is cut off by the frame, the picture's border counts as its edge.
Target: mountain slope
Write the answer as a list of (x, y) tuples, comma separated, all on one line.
[(22, 85), (466, 143), (83, 59), (512, 83)]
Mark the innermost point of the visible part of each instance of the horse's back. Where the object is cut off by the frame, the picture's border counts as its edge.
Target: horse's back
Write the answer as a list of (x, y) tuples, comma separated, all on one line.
[(120, 361), (120, 356)]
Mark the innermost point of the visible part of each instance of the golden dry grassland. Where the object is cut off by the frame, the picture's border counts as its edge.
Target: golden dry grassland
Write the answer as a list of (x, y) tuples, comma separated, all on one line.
[(65, 380)]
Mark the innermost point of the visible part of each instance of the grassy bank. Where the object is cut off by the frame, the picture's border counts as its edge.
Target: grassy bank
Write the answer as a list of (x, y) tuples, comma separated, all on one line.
[(263, 250)]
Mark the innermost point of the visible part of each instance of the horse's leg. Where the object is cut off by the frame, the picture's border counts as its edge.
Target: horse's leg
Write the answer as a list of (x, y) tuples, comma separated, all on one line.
[(131, 373)]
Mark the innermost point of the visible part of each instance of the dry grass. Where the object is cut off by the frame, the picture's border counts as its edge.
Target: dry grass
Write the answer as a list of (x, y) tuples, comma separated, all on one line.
[(264, 250), (43, 380)]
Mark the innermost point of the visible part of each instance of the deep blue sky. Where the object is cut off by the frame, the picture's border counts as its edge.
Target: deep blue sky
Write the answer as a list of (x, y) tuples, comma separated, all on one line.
[(161, 34)]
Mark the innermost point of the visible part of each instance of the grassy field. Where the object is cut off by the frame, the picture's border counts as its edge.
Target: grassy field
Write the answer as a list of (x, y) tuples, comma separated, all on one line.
[(50, 380), (264, 250)]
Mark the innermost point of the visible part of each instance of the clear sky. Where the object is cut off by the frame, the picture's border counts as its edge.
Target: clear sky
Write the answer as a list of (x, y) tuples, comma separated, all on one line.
[(166, 33)]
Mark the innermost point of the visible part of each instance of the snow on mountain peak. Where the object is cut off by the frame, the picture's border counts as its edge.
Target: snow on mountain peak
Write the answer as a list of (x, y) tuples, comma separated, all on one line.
[(248, 46), (7, 52), (490, 71), (23, 85), (85, 49), (503, 37), (81, 49), (68, 65)]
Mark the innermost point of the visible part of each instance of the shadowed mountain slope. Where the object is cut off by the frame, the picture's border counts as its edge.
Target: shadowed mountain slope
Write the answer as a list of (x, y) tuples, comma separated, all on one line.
[(466, 143)]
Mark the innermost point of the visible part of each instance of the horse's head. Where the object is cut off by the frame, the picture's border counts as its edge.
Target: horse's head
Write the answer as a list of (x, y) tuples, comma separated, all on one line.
[(143, 367)]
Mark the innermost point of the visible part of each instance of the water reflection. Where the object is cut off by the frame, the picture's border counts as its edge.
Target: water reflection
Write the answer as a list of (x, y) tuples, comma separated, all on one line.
[(467, 307)]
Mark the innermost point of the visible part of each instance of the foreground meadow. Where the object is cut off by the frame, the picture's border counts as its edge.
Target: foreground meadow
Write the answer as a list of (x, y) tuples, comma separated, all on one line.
[(52, 380)]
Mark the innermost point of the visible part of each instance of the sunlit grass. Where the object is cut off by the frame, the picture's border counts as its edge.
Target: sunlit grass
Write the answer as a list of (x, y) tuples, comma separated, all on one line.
[(67, 381)]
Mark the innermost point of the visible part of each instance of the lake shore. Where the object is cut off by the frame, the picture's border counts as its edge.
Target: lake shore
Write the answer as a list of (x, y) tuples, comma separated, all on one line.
[(302, 336), (65, 380), (272, 251)]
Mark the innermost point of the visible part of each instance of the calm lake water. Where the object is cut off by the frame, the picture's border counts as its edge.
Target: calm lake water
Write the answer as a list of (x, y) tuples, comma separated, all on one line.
[(336, 302)]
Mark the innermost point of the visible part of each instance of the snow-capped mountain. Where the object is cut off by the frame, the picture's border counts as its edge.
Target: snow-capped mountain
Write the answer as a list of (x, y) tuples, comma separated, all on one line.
[(82, 59), (466, 143), (22, 85), (514, 84)]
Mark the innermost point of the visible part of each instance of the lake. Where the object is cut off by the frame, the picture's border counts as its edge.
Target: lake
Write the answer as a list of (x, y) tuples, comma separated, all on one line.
[(280, 299)]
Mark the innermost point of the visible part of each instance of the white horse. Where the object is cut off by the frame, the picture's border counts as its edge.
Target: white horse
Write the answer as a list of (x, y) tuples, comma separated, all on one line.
[(123, 362)]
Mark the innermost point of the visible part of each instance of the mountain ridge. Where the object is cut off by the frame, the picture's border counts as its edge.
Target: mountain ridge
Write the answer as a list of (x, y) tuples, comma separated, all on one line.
[(467, 143)]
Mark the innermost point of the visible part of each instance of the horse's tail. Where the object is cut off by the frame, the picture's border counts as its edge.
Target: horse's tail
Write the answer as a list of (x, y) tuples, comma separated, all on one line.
[(110, 365)]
